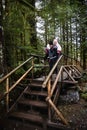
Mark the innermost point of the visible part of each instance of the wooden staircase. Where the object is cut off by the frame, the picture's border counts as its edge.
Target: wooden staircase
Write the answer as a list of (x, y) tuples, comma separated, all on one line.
[(37, 102), (32, 106)]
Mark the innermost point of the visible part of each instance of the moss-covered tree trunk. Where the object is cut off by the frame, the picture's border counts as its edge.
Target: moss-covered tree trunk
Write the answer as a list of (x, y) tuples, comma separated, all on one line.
[(1, 39), (32, 22)]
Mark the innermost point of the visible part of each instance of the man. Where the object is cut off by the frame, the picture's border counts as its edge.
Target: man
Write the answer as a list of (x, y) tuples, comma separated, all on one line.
[(51, 55)]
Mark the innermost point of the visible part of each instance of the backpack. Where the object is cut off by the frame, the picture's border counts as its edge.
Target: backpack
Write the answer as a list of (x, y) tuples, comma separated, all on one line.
[(52, 53)]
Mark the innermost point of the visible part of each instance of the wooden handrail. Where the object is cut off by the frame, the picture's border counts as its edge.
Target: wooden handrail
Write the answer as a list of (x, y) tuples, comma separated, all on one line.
[(50, 94), (9, 87), (56, 80), (38, 56), (51, 88), (5, 77), (51, 72), (18, 81)]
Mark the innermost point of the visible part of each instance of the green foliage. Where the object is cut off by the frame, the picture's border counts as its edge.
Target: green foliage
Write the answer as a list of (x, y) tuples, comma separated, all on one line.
[(63, 19), (84, 96), (19, 73), (17, 30), (84, 77)]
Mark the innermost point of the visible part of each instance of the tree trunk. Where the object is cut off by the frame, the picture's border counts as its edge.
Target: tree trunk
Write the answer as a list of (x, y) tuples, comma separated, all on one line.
[(32, 22), (1, 40)]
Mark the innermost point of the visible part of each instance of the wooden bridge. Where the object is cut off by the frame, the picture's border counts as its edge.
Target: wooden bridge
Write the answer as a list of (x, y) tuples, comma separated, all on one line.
[(34, 99)]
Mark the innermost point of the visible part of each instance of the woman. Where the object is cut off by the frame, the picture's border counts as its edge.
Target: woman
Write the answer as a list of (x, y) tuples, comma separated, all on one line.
[(56, 44)]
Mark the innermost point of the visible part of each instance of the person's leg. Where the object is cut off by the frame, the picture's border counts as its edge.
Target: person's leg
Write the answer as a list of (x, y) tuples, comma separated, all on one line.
[(51, 64), (56, 70)]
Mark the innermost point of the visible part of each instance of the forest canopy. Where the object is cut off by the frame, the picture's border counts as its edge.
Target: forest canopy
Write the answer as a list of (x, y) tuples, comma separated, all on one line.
[(27, 25)]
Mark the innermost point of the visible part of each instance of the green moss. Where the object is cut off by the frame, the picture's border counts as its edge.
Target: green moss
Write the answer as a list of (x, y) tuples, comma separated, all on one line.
[(84, 77), (84, 96)]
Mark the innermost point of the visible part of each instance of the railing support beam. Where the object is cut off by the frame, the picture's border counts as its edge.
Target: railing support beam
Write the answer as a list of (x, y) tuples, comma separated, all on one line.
[(7, 96), (57, 111)]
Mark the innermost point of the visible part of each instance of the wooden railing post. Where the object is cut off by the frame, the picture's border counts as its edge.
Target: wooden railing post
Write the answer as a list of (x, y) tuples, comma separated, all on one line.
[(57, 111), (49, 94), (62, 77), (49, 88), (7, 96), (33, 68)]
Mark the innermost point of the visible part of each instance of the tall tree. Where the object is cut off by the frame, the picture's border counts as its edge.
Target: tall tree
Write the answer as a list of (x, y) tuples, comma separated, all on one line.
[(1, 38), (32, 22), (19, 30), (1, 17)]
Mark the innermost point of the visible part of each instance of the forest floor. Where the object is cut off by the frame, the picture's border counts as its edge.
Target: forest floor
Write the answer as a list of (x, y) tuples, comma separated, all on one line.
[(75, 113)]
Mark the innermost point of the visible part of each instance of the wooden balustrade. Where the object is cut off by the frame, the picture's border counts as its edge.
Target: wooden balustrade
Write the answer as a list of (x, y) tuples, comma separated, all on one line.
[(6, 78), (51, 88), (47, 83)]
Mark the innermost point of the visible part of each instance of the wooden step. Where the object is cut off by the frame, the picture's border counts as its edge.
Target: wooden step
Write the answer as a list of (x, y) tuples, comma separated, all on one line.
[(37, 80), (38, 93), (70, 82), (35, 85), (26, 116), (33, 103), (77, 78)]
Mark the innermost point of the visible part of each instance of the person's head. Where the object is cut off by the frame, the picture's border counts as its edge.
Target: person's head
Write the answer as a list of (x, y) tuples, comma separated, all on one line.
[(55, 41), (51, 43)]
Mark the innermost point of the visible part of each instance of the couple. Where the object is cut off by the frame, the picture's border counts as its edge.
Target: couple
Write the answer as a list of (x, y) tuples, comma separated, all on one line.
[(53, 51)]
